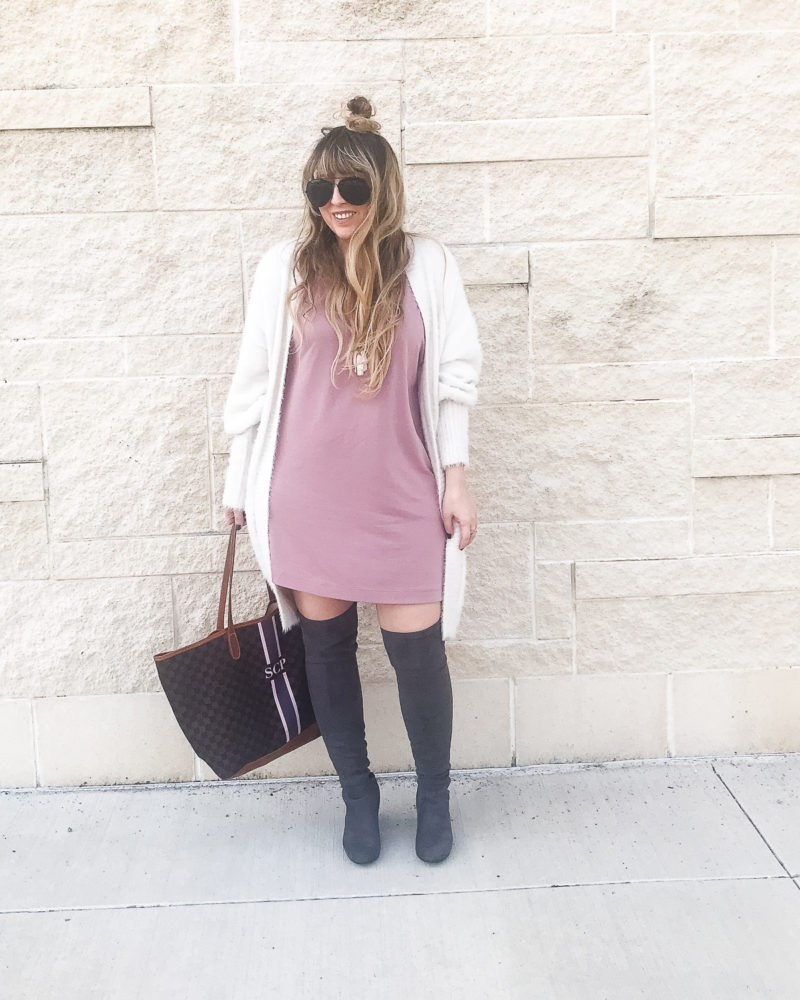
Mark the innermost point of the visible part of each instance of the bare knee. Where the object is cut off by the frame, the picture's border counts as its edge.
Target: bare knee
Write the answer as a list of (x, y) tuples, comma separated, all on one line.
[(408, 617), (319, 608)]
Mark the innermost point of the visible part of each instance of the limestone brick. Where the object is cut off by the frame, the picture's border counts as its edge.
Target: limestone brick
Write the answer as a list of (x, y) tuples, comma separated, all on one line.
[(688, 632), (133, 270), (78, 107), (732, 712), (77, 170), (110, 739), (526, 139), (652, 538), (261, 229), (509, 658), (17, 762), (447, 200), (19, 414), (644, 301), (603, 460), (481, 723), (756, 398), (578, 199), (106, 437), (343, 62), (498, 601), (33, 360), (81, 43), (351, 19), (553, 588), (100, 636), (501, 483), (196, 356), (772, 571), (786, 512), (508, 17), (501, 313), (245, 146), (590, 718), (787, 293), (777, 456), (730, 515), (161, 555), (21, 481), (679, 15), (725, 215), (492, 265), (23, 541), (539, 76), (722, 131), (575, 383), (771, 14)]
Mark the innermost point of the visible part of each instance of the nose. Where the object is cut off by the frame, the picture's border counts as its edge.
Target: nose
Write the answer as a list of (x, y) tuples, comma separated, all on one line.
[(336, 198)]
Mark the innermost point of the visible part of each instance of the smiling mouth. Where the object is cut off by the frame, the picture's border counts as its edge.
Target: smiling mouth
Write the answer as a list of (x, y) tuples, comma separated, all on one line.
[(341, 216)]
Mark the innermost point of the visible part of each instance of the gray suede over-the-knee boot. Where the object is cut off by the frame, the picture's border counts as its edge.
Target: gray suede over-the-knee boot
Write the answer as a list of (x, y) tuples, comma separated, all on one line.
[(426, 701), (335, 688)]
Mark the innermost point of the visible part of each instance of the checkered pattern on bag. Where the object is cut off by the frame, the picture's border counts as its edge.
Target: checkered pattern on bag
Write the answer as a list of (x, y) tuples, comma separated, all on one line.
[(235, 711)]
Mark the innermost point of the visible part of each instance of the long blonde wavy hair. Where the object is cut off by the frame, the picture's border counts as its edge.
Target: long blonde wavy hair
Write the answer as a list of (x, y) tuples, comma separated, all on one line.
[(364, 286)]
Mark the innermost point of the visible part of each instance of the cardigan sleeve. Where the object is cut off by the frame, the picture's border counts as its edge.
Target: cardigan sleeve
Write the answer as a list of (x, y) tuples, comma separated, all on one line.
[(248, 389), (460, 363)]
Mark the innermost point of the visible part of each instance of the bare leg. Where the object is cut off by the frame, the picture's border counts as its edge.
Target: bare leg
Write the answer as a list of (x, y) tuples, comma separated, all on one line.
[(408, 617), (319, 608)]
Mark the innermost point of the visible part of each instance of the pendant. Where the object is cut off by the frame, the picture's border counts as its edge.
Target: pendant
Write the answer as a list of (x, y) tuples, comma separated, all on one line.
[(360, 362)]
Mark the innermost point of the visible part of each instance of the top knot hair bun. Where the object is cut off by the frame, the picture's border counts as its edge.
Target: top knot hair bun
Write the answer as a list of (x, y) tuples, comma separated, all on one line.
[(358, 116)]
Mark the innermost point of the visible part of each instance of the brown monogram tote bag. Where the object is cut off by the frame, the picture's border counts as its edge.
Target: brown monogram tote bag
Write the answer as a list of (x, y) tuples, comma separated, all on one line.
[(240, 695)]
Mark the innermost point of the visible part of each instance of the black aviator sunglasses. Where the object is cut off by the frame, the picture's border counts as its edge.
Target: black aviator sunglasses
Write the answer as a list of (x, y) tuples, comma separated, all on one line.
[(354, 190)]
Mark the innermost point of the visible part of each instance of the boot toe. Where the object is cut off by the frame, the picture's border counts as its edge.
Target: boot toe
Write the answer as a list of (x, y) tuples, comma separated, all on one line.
[(362, 836), (434, 829)]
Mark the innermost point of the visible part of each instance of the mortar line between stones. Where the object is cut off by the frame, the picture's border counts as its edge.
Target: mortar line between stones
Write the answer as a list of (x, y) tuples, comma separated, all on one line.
[(104, 907), (751, 821)]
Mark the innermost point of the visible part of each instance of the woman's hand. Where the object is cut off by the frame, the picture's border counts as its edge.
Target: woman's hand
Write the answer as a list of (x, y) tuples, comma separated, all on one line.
[(458, 505), (234, 517)]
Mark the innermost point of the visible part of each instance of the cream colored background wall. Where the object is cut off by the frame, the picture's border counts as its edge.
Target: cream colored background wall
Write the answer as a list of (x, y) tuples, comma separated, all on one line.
[(619, 181)]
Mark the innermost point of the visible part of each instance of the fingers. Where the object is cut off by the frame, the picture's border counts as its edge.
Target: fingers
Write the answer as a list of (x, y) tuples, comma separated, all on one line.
[(469, 529), (236, 517)]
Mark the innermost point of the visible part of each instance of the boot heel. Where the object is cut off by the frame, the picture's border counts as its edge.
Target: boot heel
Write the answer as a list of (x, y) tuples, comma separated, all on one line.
[(434, 828)]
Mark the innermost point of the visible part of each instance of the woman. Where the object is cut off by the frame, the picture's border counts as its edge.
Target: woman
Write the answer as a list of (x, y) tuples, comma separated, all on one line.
[(348, 411)]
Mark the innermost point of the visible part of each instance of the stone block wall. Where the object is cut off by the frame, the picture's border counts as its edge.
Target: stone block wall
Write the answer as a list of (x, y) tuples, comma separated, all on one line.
[(619, 182)]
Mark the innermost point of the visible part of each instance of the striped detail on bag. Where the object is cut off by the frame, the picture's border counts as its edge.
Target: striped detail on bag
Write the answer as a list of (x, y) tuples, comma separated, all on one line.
[(274, 671)]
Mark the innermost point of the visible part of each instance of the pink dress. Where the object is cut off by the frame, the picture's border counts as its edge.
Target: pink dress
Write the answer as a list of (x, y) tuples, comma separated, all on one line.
[(354, 509)]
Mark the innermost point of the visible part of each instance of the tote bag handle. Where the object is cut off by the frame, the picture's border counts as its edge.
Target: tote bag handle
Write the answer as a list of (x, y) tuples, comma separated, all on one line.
[(227, 590)]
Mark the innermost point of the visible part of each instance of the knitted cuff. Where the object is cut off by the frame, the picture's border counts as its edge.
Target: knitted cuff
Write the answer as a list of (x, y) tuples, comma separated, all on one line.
[(453, 433)]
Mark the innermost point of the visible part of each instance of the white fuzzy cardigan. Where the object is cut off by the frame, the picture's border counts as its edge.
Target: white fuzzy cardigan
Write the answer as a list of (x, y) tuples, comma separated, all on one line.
[(448, 387)]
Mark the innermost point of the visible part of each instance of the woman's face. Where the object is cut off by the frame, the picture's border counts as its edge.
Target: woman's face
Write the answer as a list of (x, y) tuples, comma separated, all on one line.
[(342, 218)]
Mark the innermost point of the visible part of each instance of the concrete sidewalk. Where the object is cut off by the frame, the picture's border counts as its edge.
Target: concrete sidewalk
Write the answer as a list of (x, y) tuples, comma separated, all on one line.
[(659, 879)]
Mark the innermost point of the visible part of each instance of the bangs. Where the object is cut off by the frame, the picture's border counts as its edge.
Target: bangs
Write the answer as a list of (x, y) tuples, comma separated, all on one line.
[(338, 162)]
